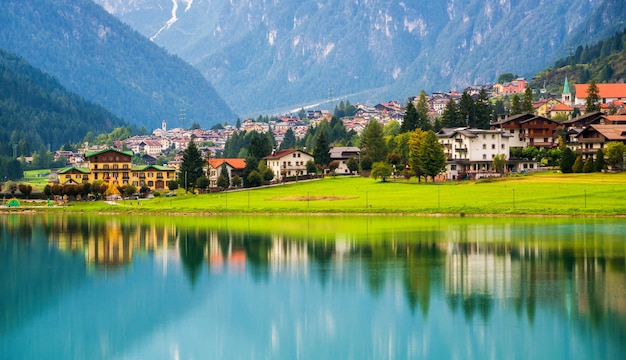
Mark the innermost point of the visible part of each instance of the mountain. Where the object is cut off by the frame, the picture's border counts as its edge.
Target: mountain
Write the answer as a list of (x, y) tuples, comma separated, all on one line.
[(603, 61), (95, 55), (35, 110), (283, 54)]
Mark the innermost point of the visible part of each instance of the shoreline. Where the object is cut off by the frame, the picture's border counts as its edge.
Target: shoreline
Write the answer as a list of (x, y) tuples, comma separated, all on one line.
[(64, 210)]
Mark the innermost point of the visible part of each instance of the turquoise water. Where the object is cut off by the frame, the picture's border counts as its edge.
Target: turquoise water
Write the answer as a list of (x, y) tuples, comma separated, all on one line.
[(391, 288)]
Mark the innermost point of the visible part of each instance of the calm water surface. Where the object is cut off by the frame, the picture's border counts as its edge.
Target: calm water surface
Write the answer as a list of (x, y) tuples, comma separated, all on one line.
[(104, 287)]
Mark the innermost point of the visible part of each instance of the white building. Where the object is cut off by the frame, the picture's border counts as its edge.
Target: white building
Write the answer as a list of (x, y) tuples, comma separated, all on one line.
[(288, 163), (471, 151), (342, 154)]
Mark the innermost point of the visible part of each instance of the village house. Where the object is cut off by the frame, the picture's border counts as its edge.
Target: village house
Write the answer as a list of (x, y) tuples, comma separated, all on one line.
[(233, 167), (552, 107), (596, 136), (288, 163), (114, 166), (517, 86), (342, 154), (471, 151), (608, 93), (530, 130)]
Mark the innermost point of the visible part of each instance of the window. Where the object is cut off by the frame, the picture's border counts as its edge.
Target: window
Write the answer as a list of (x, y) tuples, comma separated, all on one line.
[(453, 167), (484, 157), (484, 146), (502, 146), (493, 146)]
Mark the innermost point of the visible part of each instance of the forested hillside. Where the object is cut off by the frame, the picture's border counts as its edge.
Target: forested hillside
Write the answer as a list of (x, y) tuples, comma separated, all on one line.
[(603, 61), (94, 55), (35, 110)]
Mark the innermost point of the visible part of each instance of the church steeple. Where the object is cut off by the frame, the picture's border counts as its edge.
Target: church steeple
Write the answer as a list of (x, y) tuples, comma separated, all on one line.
[(566, 96)]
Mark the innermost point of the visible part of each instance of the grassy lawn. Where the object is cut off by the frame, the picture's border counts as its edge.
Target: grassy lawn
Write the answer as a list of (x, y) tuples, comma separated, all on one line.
[(37, 178), (546, 193)]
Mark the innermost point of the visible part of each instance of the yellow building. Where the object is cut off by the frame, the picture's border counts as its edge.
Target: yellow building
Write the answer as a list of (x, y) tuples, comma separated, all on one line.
[(115, 167)]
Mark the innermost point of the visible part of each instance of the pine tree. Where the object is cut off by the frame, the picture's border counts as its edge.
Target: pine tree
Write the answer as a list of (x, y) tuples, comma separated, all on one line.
[(578, 165), (567, 160), (451, 117), (373, 145), (516, 106), (466, 109), (589, 165), (592, 103), (599, 164), (289, 140), (527, 103), (431, 156), (423, 121), (321, 152), (191, 168), (224, 174), (483, 111), (409, 123), (415, 141)]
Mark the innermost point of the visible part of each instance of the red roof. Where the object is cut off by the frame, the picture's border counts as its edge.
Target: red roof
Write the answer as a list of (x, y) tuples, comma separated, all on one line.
[(604, 90), (235, 163), (561, 107), (282, 153)]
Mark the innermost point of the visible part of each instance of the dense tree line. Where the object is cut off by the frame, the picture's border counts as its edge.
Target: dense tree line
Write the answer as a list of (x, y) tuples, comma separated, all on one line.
[(36, 111), (587, 54)]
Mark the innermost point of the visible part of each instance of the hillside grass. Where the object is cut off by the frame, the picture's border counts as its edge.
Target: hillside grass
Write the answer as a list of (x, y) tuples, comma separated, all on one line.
[(537, 194)]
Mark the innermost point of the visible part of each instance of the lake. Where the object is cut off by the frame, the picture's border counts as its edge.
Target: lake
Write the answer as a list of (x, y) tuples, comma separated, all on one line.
[(311, 287)]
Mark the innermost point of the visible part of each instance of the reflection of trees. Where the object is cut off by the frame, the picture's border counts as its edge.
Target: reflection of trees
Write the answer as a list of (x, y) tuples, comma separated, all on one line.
[(423, 261), (257, 253), (477, 265), (192, 244), (376, 257), (322, 254)]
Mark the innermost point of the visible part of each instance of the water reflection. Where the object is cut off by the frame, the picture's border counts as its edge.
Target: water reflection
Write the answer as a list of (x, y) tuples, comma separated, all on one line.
[(479, 268)]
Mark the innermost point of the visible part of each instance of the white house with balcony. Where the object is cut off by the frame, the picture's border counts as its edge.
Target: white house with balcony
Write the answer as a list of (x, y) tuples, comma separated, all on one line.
[(471, 151), (288, 163)]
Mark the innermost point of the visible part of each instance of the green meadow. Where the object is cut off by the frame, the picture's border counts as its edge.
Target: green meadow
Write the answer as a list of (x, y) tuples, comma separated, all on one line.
[(537, 194)]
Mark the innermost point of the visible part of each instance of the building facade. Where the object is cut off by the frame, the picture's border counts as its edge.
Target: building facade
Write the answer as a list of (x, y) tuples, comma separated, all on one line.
[(288, 163)]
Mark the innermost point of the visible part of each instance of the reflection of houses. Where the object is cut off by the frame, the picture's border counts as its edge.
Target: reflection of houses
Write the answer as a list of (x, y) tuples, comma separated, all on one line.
[(342, 155), (114, 166), (233, 167), (288, 163), (472, 151)]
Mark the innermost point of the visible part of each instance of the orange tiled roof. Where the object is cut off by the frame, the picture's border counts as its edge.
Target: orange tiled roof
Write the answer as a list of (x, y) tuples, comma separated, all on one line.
[(236, 163), (561, 107), (604, 90)]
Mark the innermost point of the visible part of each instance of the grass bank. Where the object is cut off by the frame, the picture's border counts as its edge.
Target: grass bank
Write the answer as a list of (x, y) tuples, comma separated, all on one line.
[(538, 194)]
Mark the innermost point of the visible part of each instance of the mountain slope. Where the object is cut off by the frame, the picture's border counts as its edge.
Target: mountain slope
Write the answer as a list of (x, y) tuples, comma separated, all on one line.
[(35, 110), (93, 54), (268, 55)]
